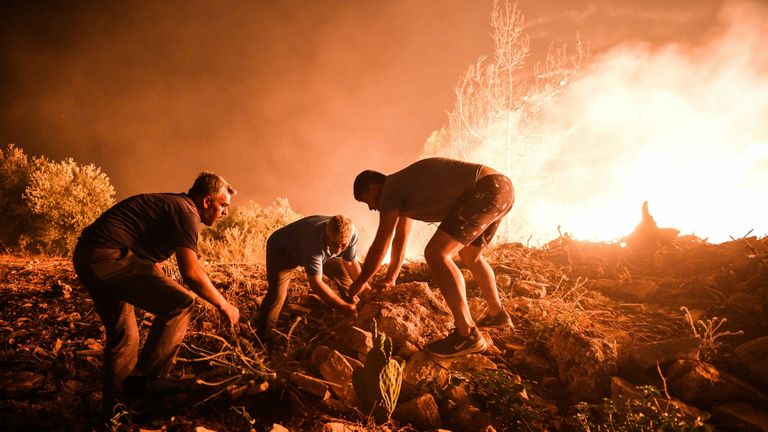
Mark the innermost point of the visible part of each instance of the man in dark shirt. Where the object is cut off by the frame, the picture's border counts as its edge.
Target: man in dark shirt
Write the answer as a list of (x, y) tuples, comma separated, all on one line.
[(469, 200), (315, 243), (117, 260)]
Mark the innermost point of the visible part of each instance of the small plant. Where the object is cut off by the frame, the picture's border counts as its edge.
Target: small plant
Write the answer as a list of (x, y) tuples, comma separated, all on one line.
[(120, 413), (505, 397), (243, 412), (710, 331), (377, 383), (635, 414)]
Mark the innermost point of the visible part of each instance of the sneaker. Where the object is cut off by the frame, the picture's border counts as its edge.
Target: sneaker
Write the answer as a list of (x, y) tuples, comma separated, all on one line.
[(498, 321), (455, 344)]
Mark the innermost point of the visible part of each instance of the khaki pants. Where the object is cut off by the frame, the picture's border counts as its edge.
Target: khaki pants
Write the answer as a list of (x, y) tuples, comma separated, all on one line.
[(279, 269), (118, 280)]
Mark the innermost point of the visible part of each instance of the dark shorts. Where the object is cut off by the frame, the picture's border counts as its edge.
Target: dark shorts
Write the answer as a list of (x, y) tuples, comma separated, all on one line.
[(480, 210)]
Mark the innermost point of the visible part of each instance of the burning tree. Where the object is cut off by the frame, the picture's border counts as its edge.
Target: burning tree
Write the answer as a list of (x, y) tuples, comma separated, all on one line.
[(498, 101)]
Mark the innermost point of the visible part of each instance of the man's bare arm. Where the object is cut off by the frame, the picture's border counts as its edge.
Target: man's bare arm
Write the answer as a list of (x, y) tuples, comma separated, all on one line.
[(399, 242), (353, 270), (194, 276), (374, 258)]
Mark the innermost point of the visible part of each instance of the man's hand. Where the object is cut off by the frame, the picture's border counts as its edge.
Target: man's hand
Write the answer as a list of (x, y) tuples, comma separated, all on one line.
[(230, 312), (355, 288), (348, 309), (384, 284)]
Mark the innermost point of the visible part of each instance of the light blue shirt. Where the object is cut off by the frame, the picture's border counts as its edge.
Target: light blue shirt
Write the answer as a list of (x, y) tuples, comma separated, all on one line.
[(304, 242)]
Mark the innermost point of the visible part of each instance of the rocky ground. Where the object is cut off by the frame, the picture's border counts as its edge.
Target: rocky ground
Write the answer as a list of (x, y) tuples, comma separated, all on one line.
[(669, 333)]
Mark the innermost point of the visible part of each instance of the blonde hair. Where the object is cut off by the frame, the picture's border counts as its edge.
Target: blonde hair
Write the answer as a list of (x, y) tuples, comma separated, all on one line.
[(339, 227)]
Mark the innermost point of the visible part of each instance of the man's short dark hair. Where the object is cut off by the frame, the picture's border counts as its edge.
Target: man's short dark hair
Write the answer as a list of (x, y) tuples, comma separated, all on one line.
[(208, 183), (364, 180)]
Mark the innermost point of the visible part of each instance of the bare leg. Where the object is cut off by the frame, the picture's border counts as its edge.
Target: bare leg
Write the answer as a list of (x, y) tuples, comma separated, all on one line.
[(472, 257), (449, 278)]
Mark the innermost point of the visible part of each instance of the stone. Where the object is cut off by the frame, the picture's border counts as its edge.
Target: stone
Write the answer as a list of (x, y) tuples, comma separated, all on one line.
[(740, 416), (645, 356), (311, 385), (407, 350), (586, 360), (408, 312), (358, 340), (420, 411), (530, 289), (341, 427), (19, 384), (338, 372), (753, 355), (535, 363), (276, 427), (703, 385), (422, 369), (469, 417)]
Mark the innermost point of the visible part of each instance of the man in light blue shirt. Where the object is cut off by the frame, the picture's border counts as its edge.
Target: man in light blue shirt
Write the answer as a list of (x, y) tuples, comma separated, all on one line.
[(319, 244)]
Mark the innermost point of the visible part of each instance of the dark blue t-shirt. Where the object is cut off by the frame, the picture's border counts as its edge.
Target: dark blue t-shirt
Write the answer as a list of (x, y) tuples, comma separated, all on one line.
[(304, 242), (150, 225)]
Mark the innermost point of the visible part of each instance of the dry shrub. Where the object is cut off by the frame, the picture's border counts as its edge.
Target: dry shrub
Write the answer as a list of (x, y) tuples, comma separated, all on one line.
[(47, 204), (241, 237), (15, 168)]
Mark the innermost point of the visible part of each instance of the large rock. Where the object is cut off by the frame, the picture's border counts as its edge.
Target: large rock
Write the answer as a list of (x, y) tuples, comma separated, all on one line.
[(740, 416), (645, 356), (409, 312), (335, 369), (311, 385), (586, 361), (358, 340), (420, 411), (702, 384), (753, 355), (422, 369)]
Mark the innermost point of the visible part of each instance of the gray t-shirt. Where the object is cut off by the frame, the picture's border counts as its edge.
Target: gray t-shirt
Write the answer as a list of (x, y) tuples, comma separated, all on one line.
[(427, 190), (150, 225), (304, 242)]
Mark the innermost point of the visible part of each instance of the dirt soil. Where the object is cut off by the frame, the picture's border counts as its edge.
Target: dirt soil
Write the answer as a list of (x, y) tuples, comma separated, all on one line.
[(568, 300)]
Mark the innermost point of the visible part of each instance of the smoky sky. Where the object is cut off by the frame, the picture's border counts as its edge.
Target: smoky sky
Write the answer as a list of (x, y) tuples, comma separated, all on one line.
[(283, 98)]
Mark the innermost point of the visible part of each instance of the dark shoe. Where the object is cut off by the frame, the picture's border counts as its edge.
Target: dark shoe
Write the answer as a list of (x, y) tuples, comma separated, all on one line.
[(498, 321), (455, 344), (141, 387)]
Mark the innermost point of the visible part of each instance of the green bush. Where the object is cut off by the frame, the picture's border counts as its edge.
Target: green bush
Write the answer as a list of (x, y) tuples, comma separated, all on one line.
[(15, 169), (64, 198), (241, 237), (46, 204)]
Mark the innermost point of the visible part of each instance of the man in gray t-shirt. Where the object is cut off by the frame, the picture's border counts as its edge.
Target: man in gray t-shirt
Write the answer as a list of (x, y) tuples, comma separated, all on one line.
[(469, 200), (320, 244), (117, 259)]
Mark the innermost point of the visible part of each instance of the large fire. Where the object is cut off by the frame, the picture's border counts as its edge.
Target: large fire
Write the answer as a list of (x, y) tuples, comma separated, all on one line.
[(681, 127)]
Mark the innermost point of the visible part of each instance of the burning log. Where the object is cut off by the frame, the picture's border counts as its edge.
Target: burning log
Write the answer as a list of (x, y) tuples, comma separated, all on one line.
[(648, 235)]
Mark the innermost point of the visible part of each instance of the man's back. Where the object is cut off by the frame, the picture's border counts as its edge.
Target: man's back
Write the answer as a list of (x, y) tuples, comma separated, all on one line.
[(428, 189), (150, 225), (304, 241)]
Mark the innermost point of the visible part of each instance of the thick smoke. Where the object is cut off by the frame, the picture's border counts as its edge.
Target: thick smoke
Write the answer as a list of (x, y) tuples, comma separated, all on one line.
[(680, 126)]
